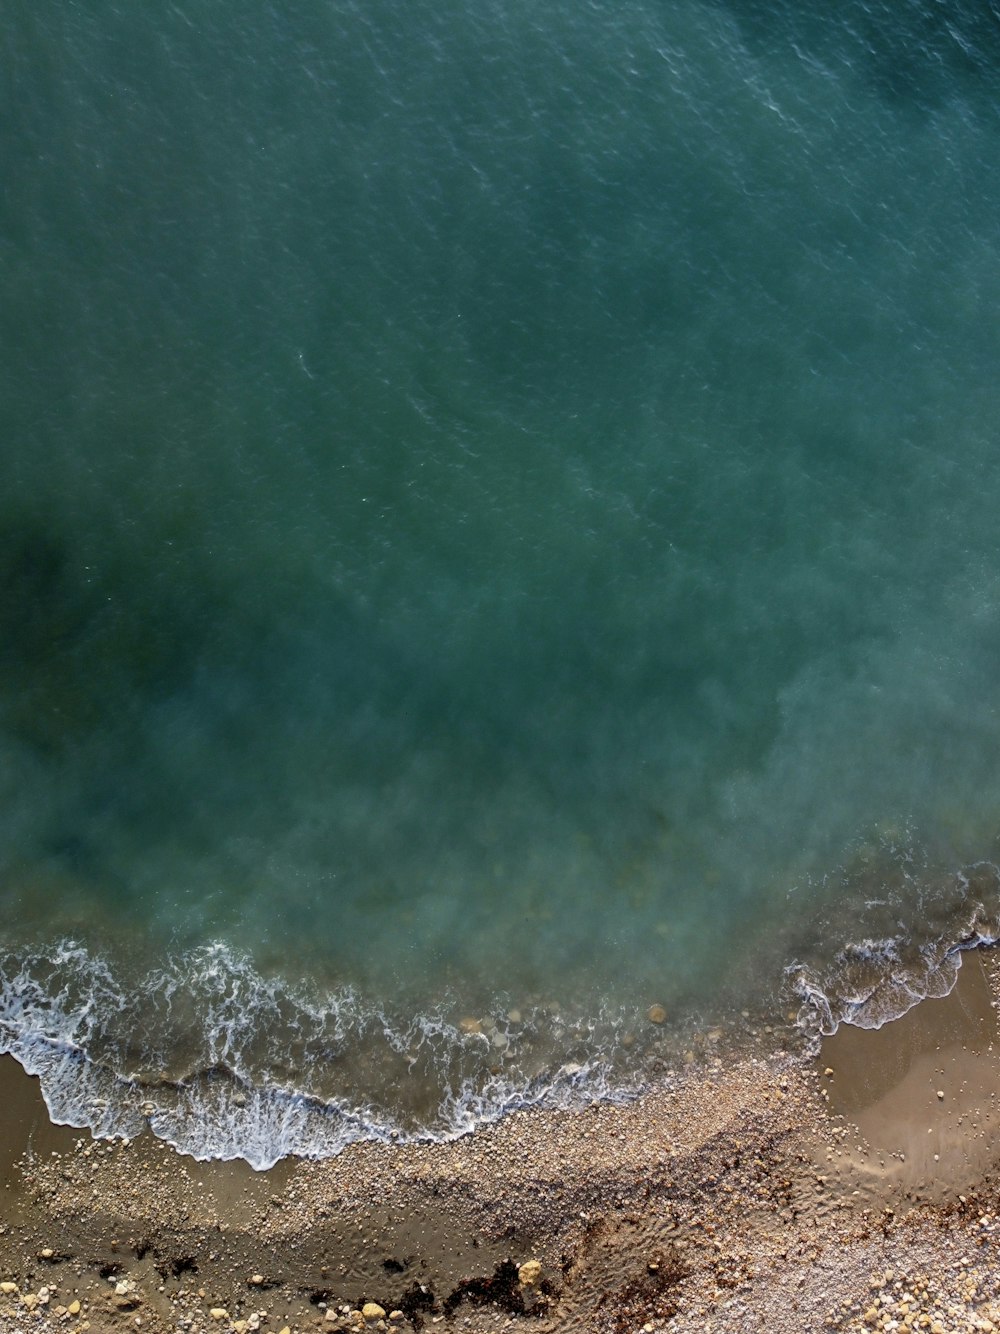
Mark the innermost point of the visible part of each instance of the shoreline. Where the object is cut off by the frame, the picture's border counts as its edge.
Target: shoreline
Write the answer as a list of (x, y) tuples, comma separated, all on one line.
[(756, 1193)]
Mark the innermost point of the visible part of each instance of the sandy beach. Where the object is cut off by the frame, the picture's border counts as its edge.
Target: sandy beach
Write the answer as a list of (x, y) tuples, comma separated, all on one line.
[(850, 1192)]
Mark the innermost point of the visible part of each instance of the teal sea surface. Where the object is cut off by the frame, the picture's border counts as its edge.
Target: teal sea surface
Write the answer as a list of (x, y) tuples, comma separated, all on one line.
[(498, 529)]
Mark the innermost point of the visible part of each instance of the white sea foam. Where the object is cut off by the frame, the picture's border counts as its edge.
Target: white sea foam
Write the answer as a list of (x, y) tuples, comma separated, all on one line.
[(873, 982), (221, 1061), (104, 1054)]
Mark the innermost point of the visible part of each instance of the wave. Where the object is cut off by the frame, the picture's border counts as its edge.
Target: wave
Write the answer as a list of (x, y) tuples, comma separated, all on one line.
[(195, 1052), (873, 981), (222, 1061)]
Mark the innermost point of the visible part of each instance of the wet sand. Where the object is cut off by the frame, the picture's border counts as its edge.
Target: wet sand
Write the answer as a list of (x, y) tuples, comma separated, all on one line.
[(780, 1195), (925, 1091)]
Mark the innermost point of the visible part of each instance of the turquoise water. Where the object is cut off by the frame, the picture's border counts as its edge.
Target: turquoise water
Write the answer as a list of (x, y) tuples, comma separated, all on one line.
[(499, 515)]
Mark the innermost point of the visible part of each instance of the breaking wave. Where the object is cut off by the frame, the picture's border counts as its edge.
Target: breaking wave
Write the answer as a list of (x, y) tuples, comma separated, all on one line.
[(872, 981), (222, 1062)]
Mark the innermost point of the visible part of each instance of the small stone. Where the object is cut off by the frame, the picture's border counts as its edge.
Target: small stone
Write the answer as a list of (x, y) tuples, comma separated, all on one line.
[(940, 1094), (8, 1288), (255, 1280), (529, 1274), (515, 1018), (828, 1072), (372, 1311), (73, 1308), (121, 1289), (396, 1316), (46, 1253), (469, 1025), (656, 1014), (219, 1313), (500, 1041)]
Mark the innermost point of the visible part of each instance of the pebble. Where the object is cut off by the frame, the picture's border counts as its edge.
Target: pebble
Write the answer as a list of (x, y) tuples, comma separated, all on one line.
[(256, 1280), (219, 1313), (372, 1311), (529, 1274), (656, 1014)]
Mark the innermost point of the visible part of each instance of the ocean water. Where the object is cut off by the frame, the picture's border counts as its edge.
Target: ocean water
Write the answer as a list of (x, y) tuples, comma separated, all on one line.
[(498, 524)]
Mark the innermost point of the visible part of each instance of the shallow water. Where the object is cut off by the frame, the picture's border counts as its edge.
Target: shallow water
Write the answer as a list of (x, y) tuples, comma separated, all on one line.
[(498, 513)]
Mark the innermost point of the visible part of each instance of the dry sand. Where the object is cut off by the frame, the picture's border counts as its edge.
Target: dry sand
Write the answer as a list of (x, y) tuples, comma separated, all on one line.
[(773, 1195)]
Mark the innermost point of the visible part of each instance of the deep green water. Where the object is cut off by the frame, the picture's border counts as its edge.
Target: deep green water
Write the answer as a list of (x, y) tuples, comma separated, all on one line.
[(499, 507)]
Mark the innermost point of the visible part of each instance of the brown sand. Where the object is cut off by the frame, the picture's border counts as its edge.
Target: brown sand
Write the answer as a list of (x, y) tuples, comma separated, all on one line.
[(755, 1195)]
